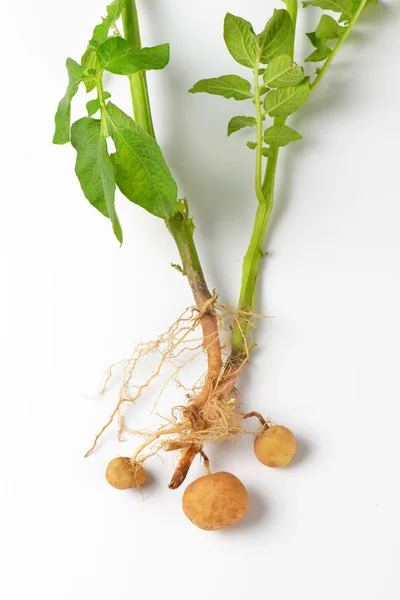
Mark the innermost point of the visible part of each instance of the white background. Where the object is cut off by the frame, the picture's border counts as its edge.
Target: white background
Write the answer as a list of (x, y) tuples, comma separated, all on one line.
[(73, 302)]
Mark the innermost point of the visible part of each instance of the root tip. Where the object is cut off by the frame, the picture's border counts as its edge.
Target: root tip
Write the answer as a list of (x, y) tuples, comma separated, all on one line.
[(176, 481)]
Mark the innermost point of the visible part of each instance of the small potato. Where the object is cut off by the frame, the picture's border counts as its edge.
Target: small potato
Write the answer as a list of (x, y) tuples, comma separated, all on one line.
[(122, 475), (215, 501), (275, 447)]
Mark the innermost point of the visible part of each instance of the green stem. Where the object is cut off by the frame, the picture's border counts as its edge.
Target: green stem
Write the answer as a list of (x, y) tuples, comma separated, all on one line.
[(340, 41), (259, 117), (265, 195), (253, 257), (180, 225), (181, 228), (292, 8), (137, 81), (103, 110)]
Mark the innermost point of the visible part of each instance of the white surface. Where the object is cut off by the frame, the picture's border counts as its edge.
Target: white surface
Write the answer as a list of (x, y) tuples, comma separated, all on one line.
[(73, 302)]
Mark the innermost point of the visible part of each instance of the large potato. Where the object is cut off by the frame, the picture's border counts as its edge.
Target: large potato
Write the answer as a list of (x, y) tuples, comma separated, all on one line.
[(215, 501), (275, 447), (122, 475)]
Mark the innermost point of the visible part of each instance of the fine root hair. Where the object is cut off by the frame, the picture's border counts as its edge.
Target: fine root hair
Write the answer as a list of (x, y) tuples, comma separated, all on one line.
[(211, 408)]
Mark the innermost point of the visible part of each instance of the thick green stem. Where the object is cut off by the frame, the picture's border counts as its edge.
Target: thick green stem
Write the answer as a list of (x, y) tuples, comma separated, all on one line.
[(254, 254), (137, 81), (253, 258), (181, 228), (265, 196), (292, 8)]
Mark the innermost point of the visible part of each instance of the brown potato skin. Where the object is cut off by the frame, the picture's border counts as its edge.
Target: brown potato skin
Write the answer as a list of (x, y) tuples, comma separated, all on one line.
[(122, 476), (275, 447), (215, 501)]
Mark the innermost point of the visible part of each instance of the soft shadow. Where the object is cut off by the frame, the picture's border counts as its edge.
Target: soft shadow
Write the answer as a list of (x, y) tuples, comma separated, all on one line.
[(334, 90), (151, 480), (258, 511), (381, 12), (303, 452), (150, 485), (208, 171), (200, 155)]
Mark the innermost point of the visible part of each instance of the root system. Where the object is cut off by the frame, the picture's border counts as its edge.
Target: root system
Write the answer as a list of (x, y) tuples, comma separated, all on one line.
[(211, 409)]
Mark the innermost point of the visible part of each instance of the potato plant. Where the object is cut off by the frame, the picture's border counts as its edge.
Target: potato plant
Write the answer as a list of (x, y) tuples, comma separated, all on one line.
[(277, 86)]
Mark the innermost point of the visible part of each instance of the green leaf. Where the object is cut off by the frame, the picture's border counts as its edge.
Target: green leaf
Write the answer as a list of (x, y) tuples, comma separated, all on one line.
[(88, 62), (238, 123), (252, 145), (281, 135), (283, 72), (356, 5), (346, 17), (322, 50), (240, 40), (178, 268), (100, 34), (228, 86), (316, 42), (140, 169), (277, 37), (94, 105), (94, 169), (266, 152), (101, 31), (319, 54), (334, 5), (62, 118), (285, 101), (263, 90), (121, 58), (114, 10), (328, 28)]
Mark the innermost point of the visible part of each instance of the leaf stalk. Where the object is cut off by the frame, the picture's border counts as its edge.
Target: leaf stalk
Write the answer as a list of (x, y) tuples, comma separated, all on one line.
[(103, 109), (137, 81), (345, 34)]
